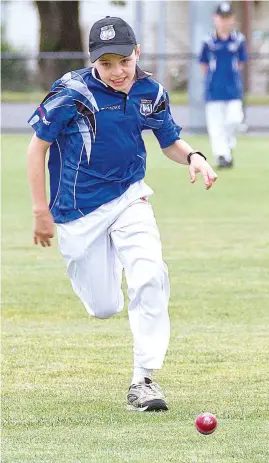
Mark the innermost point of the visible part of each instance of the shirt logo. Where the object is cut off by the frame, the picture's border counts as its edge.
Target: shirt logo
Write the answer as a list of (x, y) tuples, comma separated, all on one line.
[(112, 108), (107, 33), (232, 46), (225, 7), (146, 107)]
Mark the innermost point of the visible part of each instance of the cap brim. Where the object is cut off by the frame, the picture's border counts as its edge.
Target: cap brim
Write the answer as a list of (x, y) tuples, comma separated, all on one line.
[(223, 14), (123, 50)]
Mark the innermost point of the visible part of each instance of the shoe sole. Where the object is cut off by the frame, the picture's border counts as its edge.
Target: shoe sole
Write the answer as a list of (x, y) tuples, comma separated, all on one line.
[(227, 165), (155, 405), (224, 167), (223, 164)]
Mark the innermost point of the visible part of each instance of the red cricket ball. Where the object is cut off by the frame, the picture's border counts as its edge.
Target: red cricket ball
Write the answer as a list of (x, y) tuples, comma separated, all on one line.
[(206, 423)]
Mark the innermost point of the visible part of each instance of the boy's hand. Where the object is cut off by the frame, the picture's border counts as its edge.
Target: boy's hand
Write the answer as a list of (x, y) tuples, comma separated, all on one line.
[(43, 227), (198, 164)]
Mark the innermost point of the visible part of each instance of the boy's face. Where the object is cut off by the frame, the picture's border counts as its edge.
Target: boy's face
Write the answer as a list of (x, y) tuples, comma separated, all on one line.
[(118, 71), (224, 23)]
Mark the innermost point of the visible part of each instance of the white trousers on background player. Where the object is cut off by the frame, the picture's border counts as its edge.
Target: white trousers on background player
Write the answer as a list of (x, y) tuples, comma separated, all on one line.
[(223, 119), (122, 234)]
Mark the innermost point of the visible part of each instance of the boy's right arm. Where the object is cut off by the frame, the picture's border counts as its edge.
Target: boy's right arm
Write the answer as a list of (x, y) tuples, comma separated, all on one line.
[(43, 220)]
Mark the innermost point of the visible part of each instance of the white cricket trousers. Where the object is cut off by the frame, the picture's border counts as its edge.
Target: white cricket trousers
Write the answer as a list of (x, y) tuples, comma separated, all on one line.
[(122, 234), (223, 119)]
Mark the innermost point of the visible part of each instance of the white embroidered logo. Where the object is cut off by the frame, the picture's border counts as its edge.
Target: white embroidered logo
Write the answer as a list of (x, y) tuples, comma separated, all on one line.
[(107, 33), (232, 47), (146, 107), (225, 7), (44, 120)]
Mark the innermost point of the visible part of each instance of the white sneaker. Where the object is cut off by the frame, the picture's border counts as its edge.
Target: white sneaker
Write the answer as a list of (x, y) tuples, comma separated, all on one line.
[(146, 397)]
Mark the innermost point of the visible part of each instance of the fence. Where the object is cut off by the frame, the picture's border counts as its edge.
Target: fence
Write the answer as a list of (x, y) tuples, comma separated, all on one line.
[(38, 71), (35, 73)]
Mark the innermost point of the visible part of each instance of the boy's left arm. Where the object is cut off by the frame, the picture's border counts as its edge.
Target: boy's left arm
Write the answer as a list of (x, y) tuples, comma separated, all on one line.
[(167, 133), (179, 152), (242, 53), (204, 57)]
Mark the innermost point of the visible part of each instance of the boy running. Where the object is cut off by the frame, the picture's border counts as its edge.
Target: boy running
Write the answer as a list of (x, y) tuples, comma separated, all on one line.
[(92, 121)]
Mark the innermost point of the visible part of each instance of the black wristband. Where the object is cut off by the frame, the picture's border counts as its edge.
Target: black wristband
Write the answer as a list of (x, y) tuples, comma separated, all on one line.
[(194, 152)]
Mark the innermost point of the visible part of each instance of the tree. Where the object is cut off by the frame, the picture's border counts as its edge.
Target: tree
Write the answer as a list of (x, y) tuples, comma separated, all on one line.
[(59, 32), (14, 75)]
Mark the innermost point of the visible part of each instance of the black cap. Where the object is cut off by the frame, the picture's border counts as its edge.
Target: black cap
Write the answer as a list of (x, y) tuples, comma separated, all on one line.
[(224, 9), (111, 35)]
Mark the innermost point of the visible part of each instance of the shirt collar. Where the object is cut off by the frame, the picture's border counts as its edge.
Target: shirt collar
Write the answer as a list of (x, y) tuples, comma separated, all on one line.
[(96, 76), (231, 35), (140, 74)]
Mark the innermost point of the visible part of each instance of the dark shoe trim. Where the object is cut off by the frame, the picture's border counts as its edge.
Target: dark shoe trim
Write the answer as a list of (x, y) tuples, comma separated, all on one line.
[(223, 164), (155, 405)]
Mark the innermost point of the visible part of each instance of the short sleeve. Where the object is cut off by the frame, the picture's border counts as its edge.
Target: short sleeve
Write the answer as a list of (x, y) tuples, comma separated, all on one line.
[(53, 114), (242, 51), (204, 54), (167, 131)]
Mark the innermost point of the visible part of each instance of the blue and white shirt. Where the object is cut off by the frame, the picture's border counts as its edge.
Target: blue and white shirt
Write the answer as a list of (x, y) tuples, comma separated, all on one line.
[(97, 149), (223, 79)]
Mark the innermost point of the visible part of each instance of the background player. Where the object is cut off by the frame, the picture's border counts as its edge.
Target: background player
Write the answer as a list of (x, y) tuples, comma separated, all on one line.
[(222, 57), (92, 121)]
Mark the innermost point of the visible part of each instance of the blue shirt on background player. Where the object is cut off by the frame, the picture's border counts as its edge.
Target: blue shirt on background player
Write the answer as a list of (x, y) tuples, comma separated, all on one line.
[(223, 79)]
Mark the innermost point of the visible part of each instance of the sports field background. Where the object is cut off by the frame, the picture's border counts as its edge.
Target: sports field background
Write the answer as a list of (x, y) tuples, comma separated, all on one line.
[(65, 375)]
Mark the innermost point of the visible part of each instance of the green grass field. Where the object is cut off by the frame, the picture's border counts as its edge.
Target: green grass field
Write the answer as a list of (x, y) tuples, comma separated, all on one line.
[(66, 375)]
